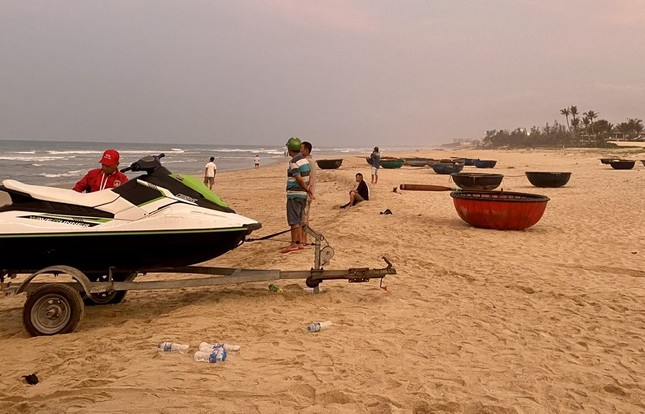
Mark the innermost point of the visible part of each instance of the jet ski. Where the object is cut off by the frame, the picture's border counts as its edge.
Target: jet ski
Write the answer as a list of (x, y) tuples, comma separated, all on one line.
[(159, 219)]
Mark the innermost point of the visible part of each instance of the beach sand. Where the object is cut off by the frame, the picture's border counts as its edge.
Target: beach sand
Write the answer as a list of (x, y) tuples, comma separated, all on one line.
[(549, 319)]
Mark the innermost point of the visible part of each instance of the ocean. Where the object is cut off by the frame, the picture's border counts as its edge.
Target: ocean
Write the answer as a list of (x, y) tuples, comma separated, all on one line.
[(63, 163)]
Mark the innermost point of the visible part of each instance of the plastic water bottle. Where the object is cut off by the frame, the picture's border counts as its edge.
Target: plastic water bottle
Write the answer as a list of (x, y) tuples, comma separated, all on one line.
[(211, 357), (318, 326), (206, 347), (172, 347)]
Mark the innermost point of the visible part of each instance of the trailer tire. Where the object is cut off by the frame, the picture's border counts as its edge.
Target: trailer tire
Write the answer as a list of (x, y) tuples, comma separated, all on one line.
[(52, 309), (312, 283), (108, 298)]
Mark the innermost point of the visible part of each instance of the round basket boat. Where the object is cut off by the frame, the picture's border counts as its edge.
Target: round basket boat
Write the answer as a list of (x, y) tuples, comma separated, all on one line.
[(499, 210), (384, 159), (548, 179), (485, 163), (329, 164), (391, 164), (477, 181), (622, 164), (447, 168), (415, 162), (607, 160)]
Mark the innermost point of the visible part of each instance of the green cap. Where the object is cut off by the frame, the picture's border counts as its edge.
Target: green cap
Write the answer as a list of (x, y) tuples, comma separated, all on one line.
[(294, 144)]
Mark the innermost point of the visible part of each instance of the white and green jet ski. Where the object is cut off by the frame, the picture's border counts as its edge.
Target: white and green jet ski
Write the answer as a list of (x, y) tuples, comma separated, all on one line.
[(158, 219)]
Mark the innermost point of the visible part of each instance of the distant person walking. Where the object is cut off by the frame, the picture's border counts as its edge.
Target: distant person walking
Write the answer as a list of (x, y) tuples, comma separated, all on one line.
[(376, 164), (108, 176), (305, 150), (256, 161), (209, 173), (297, 191)]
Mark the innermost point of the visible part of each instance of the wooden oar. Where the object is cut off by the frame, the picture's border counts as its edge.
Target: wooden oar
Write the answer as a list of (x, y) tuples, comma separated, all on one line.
[(425, 187)]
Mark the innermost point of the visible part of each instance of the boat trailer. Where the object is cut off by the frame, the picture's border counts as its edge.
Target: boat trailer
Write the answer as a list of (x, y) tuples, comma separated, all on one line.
[(57, 307)]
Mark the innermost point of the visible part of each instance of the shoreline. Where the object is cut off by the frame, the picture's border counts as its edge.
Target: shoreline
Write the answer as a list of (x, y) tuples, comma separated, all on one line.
[(628, 152)]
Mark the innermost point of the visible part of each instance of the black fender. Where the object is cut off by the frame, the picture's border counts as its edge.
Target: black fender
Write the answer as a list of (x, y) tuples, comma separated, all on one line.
[(76, 274)]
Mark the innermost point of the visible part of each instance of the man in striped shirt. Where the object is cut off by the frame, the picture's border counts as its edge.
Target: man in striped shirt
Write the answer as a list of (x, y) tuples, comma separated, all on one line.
[(298, 189)]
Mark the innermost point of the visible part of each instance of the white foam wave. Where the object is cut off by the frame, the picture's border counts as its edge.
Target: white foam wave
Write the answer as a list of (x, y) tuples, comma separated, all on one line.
[(78, 152), (150, 152), (122, 152), (75, 173), (39, 158), (251, 150)]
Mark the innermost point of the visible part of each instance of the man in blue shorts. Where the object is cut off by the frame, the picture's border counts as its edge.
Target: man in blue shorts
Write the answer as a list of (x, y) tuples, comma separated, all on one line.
[(298, 189)]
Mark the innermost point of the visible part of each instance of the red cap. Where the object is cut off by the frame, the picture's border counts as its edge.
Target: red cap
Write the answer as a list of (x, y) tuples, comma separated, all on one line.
[(110, 157)]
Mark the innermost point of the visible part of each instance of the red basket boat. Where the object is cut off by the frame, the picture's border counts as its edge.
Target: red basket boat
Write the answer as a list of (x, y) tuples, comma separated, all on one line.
[(499, 210)]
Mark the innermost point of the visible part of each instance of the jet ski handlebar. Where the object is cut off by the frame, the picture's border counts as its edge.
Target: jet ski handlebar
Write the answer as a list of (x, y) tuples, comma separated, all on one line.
[(148, 164)]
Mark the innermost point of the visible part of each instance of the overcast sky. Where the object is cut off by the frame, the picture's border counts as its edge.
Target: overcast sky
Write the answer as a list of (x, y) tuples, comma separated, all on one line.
[(336, 72)]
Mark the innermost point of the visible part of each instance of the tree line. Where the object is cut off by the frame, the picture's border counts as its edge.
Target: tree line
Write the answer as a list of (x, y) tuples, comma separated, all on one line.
[(580, 131)]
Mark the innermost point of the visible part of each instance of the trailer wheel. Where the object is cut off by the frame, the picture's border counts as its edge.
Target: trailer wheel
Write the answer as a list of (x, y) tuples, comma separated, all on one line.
[(312, 283), (52, 309), (108, 298)]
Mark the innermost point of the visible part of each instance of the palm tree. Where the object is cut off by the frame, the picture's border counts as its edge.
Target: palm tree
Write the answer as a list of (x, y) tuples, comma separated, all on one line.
[(635, 127), (566, 113), (574, 111), (586, 121), (575, 121), (591, 115), (603, 130), (632, 128)]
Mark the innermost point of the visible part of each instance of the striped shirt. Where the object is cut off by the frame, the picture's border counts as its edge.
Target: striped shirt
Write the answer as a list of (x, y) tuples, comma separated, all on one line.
[(298, 167)]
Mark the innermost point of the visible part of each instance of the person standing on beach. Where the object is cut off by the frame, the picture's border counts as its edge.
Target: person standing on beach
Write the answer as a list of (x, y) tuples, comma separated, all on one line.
[(305, 150), (256, 160), (209, 173), (376, 164), (360, 193), (298, 190), (108, 176)]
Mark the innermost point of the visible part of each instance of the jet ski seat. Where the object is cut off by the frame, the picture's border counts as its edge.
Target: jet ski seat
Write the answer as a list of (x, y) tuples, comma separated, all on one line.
[(62, 195)]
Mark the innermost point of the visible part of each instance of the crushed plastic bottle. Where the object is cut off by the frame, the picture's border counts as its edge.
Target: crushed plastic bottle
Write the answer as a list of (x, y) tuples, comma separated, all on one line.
[(206, 347), (275, 288), (216, 356), (173, 347), (318, 326)]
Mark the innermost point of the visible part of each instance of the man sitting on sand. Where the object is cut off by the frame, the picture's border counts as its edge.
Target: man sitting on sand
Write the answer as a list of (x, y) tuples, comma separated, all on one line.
[(360, 193)]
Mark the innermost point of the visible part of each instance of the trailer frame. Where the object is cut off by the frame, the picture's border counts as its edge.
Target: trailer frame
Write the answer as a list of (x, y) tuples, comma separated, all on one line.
[(54, 307)]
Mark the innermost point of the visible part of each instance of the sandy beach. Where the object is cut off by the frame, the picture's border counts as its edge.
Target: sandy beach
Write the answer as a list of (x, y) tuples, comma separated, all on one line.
[(546, 320)]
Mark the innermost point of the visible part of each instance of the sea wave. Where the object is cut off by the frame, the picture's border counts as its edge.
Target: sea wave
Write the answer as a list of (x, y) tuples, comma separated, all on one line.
[(122, 152), (148, 152), (36, 158), (245, 150), (70, 152), (75, 173)]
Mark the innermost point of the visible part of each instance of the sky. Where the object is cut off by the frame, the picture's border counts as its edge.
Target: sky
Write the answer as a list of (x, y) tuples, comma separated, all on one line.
[(333, 72)]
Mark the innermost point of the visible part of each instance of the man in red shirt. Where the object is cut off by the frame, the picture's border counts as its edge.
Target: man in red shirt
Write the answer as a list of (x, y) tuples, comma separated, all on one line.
[(108, 176)]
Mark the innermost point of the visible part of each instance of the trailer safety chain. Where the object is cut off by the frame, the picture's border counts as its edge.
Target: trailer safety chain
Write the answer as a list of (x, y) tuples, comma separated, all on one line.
[(268, 237), (272, 235)]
